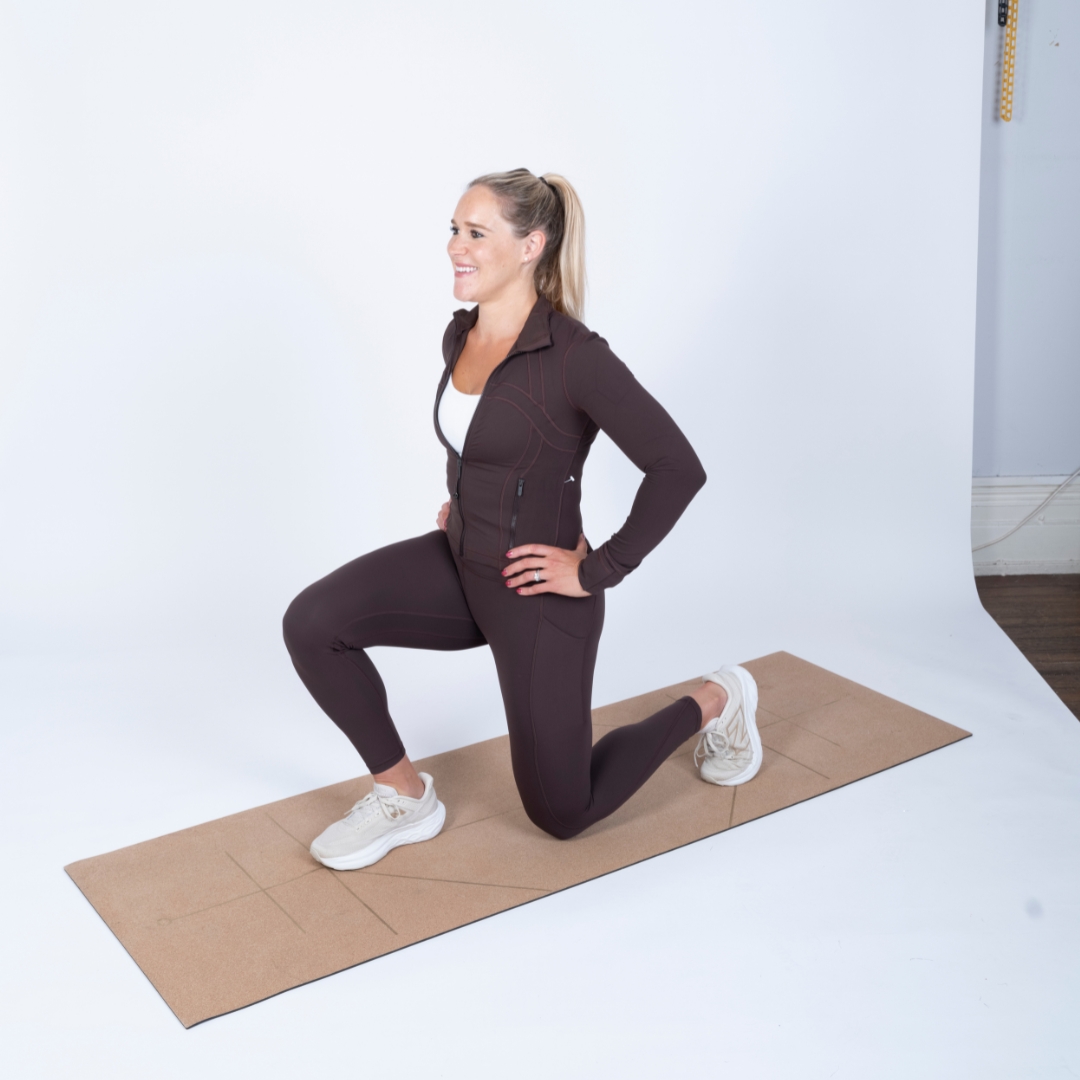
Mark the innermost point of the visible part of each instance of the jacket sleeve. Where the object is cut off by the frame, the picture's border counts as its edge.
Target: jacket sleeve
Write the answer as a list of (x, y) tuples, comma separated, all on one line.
[(598, 383)]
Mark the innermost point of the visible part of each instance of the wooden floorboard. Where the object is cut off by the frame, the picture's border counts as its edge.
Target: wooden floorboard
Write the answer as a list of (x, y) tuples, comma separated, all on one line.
[(1041, 613)]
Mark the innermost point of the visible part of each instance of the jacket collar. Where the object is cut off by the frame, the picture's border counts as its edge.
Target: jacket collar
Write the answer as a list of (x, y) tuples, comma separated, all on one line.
[(535, 334)]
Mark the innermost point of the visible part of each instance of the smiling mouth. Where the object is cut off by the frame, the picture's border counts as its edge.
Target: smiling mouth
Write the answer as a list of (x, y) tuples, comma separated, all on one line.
[(464, 269)]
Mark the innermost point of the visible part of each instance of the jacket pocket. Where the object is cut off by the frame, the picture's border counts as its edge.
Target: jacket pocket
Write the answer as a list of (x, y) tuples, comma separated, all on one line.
[(514, 513)]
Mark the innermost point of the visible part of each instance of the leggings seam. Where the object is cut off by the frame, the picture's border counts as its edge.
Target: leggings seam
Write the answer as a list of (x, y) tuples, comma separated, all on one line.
[(414, 614), (374, 688), (532, 722), (419, 633), (532, 727), (415, 633)]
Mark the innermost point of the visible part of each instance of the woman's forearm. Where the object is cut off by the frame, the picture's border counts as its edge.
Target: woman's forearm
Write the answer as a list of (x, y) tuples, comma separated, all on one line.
[(601, 385)]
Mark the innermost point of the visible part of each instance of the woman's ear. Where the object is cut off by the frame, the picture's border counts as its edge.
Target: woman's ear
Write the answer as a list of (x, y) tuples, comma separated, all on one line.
[(534, 246)]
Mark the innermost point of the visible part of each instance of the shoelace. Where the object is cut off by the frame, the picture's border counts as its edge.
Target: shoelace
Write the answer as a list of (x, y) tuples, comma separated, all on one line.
[(372, 804), (712, 743), (716, 743)]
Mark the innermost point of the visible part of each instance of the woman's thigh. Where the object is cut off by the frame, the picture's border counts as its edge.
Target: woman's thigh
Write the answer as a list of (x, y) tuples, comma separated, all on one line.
[(406, 594), (544, 649)]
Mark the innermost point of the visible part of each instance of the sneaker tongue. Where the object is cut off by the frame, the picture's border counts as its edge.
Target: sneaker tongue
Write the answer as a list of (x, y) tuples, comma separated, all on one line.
[(385, 790)]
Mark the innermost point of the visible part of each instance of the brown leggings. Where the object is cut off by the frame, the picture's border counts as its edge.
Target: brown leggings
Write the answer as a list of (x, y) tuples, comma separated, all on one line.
[(417, 594)]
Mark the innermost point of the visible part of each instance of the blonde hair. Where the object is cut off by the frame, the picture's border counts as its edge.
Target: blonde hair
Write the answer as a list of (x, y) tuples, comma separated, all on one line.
[(549, 204)]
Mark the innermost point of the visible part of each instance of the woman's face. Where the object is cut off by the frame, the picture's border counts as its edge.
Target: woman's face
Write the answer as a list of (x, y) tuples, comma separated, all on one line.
[(489, 260)]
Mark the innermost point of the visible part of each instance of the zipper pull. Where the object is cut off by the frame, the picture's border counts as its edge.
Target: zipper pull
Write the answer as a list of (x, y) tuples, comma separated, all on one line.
[(521, 485)]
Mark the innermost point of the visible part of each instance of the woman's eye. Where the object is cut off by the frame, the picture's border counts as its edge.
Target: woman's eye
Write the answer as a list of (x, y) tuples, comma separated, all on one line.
[(477, 235)]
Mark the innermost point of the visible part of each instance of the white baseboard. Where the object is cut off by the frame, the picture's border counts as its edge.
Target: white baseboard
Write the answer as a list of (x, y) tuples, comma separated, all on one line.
[(1048, 544)]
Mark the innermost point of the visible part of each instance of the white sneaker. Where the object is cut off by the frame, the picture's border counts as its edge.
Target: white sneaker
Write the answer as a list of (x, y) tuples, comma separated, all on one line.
[(378, 823), (729, 745)]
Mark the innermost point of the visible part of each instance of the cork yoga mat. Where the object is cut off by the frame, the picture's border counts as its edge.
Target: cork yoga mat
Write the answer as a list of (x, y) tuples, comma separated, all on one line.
[(224, 914)]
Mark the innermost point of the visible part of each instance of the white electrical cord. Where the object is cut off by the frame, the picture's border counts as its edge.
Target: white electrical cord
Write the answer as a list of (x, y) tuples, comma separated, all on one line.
[(1020, 524)]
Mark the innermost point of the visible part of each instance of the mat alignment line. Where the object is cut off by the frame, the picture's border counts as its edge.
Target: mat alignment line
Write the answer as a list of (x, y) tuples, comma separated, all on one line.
[(453, 881), (795, 761), (286, 832), (363, 903), (212, 907), (267, 894), (809, 731)]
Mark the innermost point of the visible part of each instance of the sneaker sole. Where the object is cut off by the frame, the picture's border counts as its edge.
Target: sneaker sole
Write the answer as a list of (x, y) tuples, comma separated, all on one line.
[(750, 700), (424, 829)]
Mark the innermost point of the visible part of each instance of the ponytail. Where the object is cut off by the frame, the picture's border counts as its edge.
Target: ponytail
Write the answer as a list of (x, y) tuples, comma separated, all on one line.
[(549, 204)]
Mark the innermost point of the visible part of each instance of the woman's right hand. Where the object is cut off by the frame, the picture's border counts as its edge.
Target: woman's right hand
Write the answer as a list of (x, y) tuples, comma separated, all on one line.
[(444, 514)]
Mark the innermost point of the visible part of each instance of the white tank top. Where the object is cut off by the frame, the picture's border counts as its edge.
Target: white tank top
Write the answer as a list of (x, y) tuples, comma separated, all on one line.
[(455, 414)]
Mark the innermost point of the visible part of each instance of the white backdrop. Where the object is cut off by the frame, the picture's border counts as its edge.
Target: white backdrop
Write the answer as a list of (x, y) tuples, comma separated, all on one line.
[(223, 291)]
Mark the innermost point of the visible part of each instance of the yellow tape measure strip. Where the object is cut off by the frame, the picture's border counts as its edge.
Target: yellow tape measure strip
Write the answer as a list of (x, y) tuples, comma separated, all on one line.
[(1008, 63)]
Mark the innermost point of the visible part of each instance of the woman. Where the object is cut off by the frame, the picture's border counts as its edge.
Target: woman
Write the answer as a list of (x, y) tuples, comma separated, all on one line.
[(525, 389)]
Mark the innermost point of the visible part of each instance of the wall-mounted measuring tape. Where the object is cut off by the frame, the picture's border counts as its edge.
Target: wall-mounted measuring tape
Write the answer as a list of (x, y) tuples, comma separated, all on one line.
[(1007, 18)]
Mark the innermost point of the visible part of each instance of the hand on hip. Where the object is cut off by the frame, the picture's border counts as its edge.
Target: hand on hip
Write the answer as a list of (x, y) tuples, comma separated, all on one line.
[(558, 569)]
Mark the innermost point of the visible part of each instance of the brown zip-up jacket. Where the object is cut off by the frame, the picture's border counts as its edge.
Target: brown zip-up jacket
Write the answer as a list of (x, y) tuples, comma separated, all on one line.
[(518, 479)]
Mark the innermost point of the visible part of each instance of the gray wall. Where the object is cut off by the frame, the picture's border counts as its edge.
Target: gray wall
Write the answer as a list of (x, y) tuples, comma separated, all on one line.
[(1027, 353)]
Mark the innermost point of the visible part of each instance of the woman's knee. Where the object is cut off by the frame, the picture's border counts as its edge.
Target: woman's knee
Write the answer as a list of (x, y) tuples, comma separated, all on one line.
[(561, 823), (302, 627)]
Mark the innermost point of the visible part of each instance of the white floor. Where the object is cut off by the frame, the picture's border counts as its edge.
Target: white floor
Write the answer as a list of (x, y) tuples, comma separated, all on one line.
[(922, 922)]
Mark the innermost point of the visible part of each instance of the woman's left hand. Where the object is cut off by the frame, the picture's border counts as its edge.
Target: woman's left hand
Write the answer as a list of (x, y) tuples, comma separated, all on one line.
[(558, 569)]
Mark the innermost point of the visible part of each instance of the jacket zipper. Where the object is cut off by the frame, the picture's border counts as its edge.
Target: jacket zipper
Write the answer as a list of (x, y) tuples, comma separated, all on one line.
[(514, 514), (457, 495)]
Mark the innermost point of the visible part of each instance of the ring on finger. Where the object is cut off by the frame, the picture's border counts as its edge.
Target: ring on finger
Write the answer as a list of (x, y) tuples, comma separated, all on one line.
[(536, 576)]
